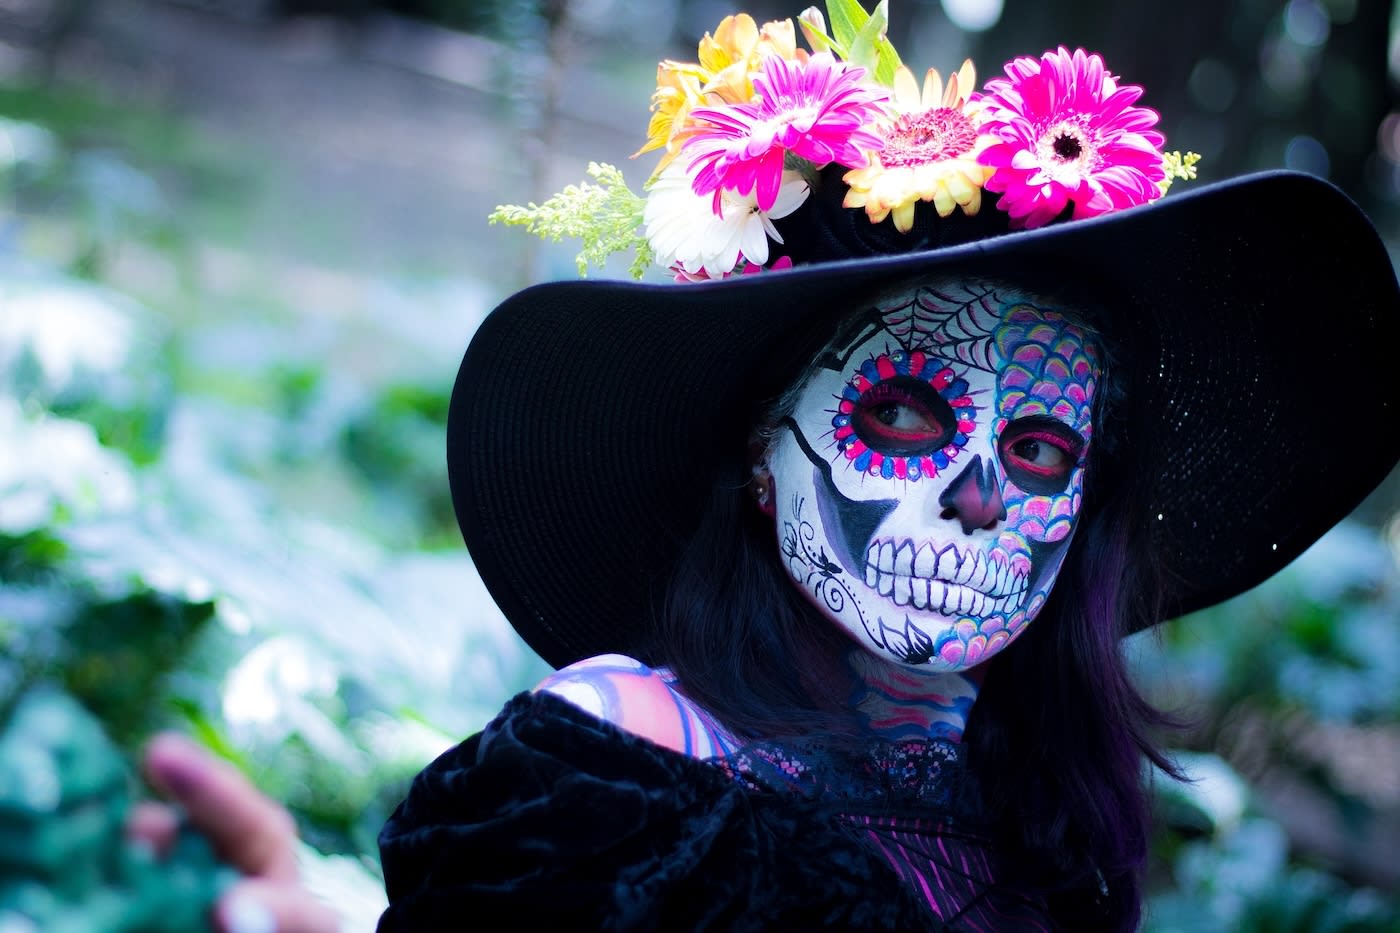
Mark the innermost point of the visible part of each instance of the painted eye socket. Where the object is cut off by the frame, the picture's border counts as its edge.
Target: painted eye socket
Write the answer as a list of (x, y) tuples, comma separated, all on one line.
[(1039, 454), (903, 417)]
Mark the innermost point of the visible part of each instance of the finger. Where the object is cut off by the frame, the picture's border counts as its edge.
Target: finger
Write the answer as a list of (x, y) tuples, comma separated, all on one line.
[(154, 825), (259, 905), (248, 830)]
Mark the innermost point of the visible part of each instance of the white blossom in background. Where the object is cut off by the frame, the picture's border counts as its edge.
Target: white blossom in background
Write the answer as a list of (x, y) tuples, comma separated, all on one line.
[(68, 328)]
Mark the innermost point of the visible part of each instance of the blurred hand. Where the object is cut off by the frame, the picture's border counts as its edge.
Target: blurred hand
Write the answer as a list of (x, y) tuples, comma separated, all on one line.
[(249, 831)]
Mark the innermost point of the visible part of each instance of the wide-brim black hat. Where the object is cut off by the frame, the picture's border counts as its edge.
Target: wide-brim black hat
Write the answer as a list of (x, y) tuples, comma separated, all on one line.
[(1257, 321)]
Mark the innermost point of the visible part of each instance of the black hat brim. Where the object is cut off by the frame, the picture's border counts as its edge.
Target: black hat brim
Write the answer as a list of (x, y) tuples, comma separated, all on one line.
[(1258, 318)]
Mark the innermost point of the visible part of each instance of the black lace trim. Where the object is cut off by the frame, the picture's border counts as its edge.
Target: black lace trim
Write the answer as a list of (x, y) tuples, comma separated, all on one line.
[(920, 776)]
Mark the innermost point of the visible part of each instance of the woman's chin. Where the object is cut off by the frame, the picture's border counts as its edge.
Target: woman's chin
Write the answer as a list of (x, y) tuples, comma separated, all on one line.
[(937, 641)]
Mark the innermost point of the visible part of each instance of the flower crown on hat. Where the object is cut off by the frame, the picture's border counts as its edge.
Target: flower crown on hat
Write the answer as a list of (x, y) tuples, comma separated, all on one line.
[(746, 129)]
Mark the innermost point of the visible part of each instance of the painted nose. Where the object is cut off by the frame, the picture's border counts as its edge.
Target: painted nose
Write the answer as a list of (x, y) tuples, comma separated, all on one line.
[(974, 497)]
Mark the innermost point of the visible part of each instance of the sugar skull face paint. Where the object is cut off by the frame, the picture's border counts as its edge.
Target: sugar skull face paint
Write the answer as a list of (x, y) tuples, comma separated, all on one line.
[(931, 473)]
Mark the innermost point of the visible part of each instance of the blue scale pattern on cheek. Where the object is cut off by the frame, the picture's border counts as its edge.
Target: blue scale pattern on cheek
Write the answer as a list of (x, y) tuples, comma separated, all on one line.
[(1028, 347)]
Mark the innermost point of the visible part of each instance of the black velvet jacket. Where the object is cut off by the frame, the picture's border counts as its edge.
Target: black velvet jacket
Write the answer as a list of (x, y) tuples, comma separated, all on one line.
[(551, 816)]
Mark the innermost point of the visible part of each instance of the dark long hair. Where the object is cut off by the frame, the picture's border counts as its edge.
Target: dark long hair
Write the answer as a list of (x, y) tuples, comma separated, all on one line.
[(1062, 775)]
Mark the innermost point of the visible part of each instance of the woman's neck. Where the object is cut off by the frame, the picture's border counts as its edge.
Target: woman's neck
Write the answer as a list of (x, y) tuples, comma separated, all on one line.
[(896, 702)]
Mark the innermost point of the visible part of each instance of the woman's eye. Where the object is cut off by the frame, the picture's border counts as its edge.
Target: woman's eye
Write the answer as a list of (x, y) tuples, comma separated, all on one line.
[(903, 417), (1040, 454)]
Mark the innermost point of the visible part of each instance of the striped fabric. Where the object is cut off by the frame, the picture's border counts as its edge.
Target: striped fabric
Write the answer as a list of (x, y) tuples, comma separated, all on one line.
[(898, 799), (952, 872)]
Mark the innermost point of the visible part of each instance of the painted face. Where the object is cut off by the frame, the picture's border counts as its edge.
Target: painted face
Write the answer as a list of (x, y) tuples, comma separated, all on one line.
[(929, 479)]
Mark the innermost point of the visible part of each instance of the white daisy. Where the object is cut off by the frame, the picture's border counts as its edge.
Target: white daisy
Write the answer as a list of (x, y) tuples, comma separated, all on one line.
[(686, 233)]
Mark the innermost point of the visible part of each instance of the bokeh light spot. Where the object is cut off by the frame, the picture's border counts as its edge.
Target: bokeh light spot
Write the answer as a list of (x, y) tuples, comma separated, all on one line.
[(1388, 136), (1306, 154), (1306, 23), (973, 15), (1284, 68)]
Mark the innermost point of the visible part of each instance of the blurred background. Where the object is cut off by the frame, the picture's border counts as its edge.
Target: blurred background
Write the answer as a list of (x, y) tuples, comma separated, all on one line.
[(243, 243)]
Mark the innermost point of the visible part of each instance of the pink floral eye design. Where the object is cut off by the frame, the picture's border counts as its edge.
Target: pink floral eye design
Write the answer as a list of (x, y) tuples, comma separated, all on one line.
[(1039, 454), (902, 416)]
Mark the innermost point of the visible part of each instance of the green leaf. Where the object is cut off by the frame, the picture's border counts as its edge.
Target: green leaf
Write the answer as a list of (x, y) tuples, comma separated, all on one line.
[(863, 34), (872, 51), (889, 61), (30, 556), (848, 17), (208, 732), (123, 650), (863, 52)]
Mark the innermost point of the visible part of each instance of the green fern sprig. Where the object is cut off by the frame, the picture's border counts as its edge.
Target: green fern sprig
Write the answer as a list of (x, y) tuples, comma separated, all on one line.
[(607, 217)]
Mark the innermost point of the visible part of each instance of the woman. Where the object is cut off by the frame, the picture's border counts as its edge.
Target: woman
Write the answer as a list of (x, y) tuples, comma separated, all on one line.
[(834, 562)]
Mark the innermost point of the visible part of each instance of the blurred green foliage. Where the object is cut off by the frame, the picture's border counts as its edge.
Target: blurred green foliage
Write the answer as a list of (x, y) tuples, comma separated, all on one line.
[(156, 559), (66, 861), (1291, 695)]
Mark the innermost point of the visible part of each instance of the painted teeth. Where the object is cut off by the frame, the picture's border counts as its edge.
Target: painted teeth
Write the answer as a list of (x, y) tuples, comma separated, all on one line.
[(904, 559), (926, 563), (919, 592), (984, 571), (950, 599), (964, 574), (947, 564), (945, 581)]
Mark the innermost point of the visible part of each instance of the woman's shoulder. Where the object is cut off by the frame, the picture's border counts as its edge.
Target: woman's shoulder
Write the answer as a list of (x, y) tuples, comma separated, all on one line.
[(554, 816), (643, 701)]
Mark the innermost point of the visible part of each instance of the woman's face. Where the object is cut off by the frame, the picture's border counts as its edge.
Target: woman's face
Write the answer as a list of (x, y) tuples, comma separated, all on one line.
[(930, 476)]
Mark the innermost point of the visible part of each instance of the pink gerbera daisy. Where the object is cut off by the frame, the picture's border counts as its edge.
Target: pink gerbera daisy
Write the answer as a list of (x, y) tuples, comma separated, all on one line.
[(817, 110), (1069, 134)]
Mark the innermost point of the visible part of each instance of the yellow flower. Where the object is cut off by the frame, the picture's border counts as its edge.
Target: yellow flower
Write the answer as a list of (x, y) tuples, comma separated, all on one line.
[(732, 56), (728, 61), (930, 154), (678, 91)]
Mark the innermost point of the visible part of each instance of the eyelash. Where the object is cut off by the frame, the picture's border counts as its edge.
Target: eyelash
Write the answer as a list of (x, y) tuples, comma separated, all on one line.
[(1031, 477), (1045, 437), (879, 381)]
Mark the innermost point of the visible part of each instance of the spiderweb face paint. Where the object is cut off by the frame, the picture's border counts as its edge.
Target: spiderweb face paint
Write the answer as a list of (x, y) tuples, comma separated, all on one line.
[(931, 474)]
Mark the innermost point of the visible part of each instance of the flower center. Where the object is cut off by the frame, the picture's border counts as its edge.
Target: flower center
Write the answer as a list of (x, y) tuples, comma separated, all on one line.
[(928, 136), (1067, 147), (1067, 151)]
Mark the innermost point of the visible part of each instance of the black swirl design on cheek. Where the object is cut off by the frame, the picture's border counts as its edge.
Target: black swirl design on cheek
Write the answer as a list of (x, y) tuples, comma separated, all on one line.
[(813, 568)]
